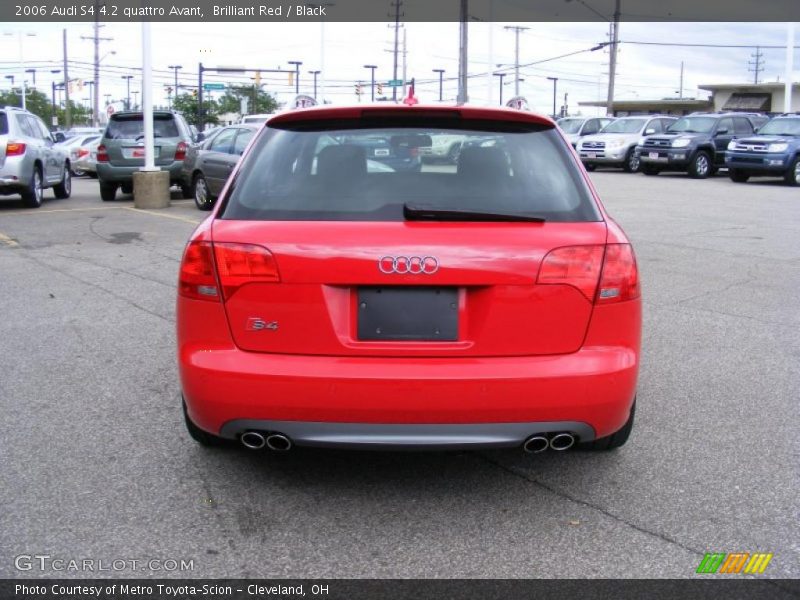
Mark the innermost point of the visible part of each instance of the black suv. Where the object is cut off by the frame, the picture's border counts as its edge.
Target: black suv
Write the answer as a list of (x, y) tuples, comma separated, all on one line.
[(695, 143)]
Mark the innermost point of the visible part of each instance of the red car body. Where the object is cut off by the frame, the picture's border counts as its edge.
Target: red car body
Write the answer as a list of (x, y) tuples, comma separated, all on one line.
[(548, 324)]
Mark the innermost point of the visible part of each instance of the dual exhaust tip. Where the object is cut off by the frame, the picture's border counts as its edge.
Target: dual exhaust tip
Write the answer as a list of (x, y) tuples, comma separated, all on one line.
[(255, 440), (540, 443)]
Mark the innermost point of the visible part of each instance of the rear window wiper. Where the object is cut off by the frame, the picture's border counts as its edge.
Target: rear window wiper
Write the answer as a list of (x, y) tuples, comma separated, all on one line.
[(430, 213)]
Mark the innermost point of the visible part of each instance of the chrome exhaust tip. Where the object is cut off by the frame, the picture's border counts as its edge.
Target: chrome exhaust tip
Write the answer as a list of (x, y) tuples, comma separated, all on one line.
[(535, 444), (252, 440), (562, 441), (277, 442)]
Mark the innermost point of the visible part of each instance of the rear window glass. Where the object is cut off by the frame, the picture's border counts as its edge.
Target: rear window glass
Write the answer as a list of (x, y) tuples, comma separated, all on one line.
[(3, 123), (132, 127), (365, 171)]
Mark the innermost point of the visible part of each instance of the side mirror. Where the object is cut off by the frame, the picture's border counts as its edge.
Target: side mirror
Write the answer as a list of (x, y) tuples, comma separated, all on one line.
[(58, 136), (722, 131), (649, 131), (199, 137)]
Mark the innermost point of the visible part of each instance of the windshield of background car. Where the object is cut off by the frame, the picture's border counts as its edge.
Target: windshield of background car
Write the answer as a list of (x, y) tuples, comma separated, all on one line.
[(624, 126), (132, 127), (570, 125), (781, 127), (363, 170), (693, 125)]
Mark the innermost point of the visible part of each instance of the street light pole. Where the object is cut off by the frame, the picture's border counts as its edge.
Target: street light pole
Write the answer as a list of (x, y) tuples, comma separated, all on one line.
[(53, 108), (441, 81), (175, 68), (555, 83), (33, 72), (127, 79), (501, 76), (296, 64), (315, 73), (372, 85)]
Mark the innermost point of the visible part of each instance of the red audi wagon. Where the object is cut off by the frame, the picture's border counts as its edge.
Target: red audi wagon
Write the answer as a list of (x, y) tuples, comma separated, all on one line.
[(346, 293)]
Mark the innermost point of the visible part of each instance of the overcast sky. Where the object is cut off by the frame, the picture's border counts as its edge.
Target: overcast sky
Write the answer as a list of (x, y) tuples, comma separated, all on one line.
[(644, 71)]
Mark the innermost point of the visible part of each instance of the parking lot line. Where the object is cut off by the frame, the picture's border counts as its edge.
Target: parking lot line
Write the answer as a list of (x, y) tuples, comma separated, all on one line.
[(158, 214), (55, 210), (7, 241)]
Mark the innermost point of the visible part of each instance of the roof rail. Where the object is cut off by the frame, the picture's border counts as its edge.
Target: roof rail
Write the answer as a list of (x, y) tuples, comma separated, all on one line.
[(20, 109)]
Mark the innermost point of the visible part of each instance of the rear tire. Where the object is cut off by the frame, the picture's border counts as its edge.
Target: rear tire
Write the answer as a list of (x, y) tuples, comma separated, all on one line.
[(792, 175), (738, 175), (32, 195), (615, 440), (63, 189), (203, 199), (200, 436), (632, 162), (650, 170), (589, 167), (700, 167), (108, 191)]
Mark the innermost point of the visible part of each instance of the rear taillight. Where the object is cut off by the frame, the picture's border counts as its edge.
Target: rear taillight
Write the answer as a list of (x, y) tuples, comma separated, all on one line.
[(578, 266), (197, 279), (82, 152), (236, 265), (620, 278), (180, 151), (604, 274), (15, 149), (102, 153)]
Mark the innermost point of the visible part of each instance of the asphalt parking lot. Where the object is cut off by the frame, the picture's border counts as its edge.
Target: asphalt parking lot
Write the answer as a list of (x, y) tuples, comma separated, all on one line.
[(96, 462)]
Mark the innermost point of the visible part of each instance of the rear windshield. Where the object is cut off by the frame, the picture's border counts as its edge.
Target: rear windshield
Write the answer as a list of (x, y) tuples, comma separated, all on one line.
[(365, 171), (3, 123), (132, 127)]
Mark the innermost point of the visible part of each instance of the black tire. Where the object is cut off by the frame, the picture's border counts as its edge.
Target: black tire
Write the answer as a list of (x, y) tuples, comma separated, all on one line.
[(615, 440), (650, 170), (32, 195), (589, 167), (203, 199), (700, 165), (738, 175), (108, 191), (792, 175), (63, 189), (632, 162), (200, 436)]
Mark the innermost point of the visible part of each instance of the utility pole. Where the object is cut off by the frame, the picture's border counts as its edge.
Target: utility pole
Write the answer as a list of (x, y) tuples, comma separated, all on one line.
[(463, 54), (565, 108), (517, 30), (787, 94), (501, 76), (612, 62), (405, 64), (67, 111), (555, 83), (96, 39), (397, 14), (680, 92), (372, 84), (756, 65), (175, 68), (127, 79), (441, 81)]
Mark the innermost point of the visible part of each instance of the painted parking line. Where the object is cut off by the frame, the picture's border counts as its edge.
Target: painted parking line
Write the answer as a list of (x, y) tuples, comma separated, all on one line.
[(163, 215), (7, 241), (57, 210)]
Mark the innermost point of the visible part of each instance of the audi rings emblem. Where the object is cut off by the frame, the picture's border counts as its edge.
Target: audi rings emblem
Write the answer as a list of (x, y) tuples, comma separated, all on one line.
[(408, 265)]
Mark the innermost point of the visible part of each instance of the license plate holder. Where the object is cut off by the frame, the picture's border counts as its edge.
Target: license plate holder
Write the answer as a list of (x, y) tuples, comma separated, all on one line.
[(424, 314)]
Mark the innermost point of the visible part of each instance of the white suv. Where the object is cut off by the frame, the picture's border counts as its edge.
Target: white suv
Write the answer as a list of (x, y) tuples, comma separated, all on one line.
[(29, 159)]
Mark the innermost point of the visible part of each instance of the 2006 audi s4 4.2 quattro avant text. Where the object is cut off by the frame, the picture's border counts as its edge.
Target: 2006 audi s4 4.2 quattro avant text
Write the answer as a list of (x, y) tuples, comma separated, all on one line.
[(333, 299)]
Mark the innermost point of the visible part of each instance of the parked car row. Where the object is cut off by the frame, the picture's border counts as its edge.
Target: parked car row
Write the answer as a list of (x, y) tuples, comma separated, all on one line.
[(699, 144)]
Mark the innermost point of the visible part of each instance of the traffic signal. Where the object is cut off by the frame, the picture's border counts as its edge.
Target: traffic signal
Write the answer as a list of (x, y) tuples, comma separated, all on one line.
[(358, 89), (194, 93), (380, 89), (291, 78)]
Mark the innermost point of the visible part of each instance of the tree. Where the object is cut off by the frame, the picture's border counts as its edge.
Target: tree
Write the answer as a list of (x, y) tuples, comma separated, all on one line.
[(40, 104), (258, 100), (186, 104)]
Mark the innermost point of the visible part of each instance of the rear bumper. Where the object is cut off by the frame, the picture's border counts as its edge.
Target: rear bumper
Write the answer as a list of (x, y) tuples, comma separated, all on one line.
[(589, 392), (118, 174)]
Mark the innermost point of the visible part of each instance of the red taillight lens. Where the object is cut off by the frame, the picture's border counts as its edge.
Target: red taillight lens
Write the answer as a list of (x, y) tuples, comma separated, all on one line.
[(15, 149), (180, 151), (620, 278), (82, 152), (197, 279), (238, 264), (102, 153), (578, 266)]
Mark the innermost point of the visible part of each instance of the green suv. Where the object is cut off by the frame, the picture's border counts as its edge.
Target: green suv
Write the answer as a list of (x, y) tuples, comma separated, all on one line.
[(121, 150)]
